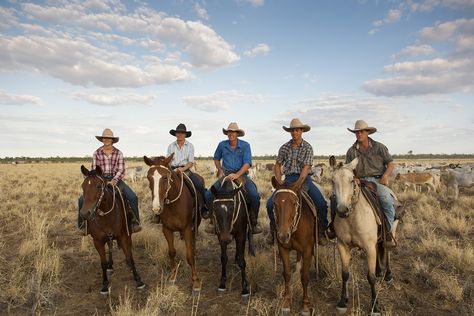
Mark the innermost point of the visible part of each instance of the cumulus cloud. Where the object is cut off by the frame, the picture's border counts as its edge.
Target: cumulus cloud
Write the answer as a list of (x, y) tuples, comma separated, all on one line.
[(392, 16), (102, 43), (201, 11), (254, 3), (17, 99), (429, 5), (114, 98), (446, 30), (260, 49), (415, 50), (221, 100)]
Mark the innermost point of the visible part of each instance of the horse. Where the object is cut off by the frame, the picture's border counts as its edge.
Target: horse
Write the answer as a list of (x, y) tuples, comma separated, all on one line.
[(231, 218), (105, 213), (356, 226), (295, 230), (178, 210)]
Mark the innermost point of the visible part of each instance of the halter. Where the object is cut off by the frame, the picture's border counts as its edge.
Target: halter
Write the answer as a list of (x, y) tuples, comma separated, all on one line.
[(296, 217), (169, 180), (236, 200), (354, 198)]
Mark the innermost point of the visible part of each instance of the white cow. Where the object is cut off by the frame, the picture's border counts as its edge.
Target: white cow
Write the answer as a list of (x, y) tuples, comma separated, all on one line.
[(457, 178)]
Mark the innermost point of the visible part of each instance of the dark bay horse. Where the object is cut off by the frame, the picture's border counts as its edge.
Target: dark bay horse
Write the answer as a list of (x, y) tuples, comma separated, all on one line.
[(295, 230), (231, 219), (105, 213), (174, 202), (356, 226)]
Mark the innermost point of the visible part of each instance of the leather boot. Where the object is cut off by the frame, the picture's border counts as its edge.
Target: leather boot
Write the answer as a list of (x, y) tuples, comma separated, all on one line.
[(134, 222), (270, 240), (256, 228), (391, 239), (330, 232)]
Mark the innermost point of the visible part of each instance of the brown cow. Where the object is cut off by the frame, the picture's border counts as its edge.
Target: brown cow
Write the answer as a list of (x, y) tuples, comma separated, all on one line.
[(414, 179)]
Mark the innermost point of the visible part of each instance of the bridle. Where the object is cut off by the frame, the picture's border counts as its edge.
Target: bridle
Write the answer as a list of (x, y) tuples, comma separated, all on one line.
[(354, 198), (168, 182), (96, 209), (296, 217), (236, 201)]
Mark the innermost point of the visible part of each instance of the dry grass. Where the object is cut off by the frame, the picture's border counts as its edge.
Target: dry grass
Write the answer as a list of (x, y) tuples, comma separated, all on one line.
[(45, 268)]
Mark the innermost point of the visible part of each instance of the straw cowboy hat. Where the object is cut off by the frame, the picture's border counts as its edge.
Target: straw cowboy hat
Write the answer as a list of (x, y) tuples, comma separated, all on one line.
[(107, 133), (361, 125), (233, 127), (180, 128), (296, 123)]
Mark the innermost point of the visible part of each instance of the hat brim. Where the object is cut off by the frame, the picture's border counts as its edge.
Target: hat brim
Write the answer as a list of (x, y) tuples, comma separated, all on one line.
[(240, 132), (188, 133), (371, 130), (114, 139), (305, 128)]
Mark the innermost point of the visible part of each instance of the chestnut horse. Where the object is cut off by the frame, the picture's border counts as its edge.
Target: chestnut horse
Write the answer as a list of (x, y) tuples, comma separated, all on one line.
[(356, 226), (105, 213), (295, 230), (231, 218), (174, 202)]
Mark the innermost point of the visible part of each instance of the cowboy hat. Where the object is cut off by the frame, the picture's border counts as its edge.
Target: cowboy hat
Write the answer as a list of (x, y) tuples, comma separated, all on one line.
[(107, 133), (233, 127), (180, 128), (296, 123), (361, 125)]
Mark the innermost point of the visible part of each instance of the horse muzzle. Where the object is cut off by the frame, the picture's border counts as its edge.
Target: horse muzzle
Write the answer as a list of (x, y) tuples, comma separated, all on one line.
[(343, 211), (225, 238), (284, 237)]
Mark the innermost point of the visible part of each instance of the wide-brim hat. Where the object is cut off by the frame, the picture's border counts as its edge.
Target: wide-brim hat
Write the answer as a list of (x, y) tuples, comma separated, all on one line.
[(361, 125), (296, 123), (107, 133), (180, 128), (233, 127)]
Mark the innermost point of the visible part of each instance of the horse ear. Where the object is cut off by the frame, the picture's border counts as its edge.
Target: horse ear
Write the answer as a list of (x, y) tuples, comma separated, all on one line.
[(353, 164), (84, 170), (168, 159), (332, 161), (98, 170), (148, 161)]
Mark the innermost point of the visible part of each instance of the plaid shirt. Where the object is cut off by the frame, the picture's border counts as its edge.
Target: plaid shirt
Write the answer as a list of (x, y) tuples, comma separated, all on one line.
[(112, 166), (294, 159)]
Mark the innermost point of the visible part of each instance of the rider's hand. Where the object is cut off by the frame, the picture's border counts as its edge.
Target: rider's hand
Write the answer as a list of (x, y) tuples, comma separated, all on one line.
[(113, 182), (233, 176), (384, 180), (357, 181)]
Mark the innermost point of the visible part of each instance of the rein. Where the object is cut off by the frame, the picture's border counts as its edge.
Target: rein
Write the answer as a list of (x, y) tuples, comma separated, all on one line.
[(237, 201), (169, 180), (296, 217)]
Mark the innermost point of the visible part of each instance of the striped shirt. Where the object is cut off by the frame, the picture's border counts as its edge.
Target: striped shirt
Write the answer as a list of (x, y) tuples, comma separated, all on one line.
[(294, 159), (182, 155), (112, 166)]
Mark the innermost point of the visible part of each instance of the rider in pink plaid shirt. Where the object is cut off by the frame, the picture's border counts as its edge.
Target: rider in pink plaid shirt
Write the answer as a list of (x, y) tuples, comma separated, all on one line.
[(112, 166)]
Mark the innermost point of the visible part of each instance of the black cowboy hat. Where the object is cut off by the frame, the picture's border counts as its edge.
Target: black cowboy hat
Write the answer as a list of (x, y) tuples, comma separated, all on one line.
[(180, 128)]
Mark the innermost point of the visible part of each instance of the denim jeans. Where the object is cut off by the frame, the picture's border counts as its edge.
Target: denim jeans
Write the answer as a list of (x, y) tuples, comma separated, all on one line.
[(314, 193), (386, 200), (128, 194)]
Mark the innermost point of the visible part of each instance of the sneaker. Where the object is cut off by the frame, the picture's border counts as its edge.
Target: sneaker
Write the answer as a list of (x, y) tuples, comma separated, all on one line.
[(257, 229)]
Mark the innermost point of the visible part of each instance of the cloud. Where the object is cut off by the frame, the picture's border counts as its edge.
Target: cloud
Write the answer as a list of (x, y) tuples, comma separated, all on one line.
[(221, 100), (17, 99), (114, 98), (260, 49), (446, 30), (254, 3), (429, 5), (415, 50), (201, 12), (392, 16)]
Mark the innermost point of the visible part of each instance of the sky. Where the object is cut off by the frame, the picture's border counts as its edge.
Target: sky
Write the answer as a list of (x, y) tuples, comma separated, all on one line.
[(69, 69)]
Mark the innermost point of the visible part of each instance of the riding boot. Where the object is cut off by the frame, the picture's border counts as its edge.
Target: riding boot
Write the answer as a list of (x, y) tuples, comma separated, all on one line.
[(330, 232), (134, 220), (270, 240), (391, 236), (256, 228)]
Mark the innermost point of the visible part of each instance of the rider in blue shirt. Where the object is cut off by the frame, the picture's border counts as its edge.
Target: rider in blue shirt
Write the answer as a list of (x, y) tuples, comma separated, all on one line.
[(236, 157)]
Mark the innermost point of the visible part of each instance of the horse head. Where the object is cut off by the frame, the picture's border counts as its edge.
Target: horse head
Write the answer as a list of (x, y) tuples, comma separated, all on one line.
[(93, 188), (158, 174), (225, 208), (344, 185), (286, 209)]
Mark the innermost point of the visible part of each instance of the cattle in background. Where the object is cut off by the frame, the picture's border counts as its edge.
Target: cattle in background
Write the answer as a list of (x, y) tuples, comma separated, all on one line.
[(456, 178), (418, 179), (259, 166), (135, 173), (269, 166), (252, 173), (317, 172)]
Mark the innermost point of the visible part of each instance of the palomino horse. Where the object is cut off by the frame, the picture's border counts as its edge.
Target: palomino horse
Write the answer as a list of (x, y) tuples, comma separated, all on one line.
[(356, 226), (174, 202), (231, 218), (295, 230), (104, 210)]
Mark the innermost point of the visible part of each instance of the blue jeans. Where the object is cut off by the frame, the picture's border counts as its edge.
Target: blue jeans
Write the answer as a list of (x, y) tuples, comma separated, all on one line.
[(252, 194), (314, 193), (386, 200), (128, 194)]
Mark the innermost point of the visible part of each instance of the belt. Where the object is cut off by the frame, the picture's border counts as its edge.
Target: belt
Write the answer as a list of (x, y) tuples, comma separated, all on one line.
[(376, 177), (176, 167)]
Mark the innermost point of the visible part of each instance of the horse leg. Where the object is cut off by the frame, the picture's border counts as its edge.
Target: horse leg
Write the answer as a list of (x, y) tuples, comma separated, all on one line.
[(285, 259), (224, 259), (240, 259), (171, 253), (100, 246), (127, 250), (110, 263), (371, 262), (189, 241), (305, 280), (345, 254), (388, 272)]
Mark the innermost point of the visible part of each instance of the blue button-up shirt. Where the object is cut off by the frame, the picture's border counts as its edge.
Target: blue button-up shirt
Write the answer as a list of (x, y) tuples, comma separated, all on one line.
[(233, 160)]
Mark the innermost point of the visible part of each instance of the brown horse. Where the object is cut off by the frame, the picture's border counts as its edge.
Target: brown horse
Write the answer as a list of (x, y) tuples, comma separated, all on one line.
[(295, 230), (356, 226), (174, 202), (105, 213)]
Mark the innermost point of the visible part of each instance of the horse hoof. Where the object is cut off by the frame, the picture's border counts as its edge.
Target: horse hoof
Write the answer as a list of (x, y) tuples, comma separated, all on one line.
[(110, 270), (376, 314), (245, 297), (104, 291), (196, 292), (305, 313), (221, 290), (285, 310), (341, 310), (389, 281), (141, 285)]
